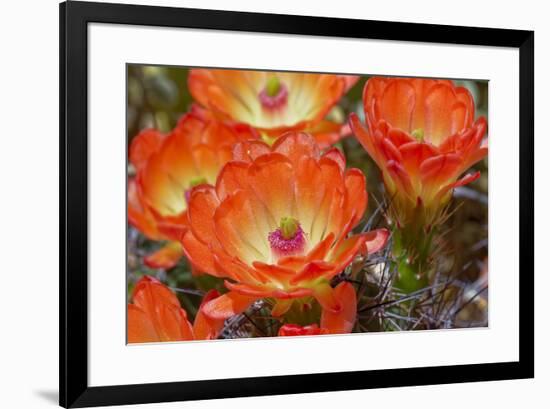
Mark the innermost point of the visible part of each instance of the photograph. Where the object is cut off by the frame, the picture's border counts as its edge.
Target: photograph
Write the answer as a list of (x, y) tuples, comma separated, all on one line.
[(276, 204)]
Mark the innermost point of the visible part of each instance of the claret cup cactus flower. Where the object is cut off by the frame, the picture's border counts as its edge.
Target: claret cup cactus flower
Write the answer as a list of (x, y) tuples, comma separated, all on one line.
[(155, 315), (167, 168), (423, 136), (276, 225), (273, 102)]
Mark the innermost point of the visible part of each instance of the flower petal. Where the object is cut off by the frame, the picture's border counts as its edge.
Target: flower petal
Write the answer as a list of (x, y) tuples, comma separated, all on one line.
[(167, 257), (341, 322), (324, 294), (140, 327), (247, 151), (144, 145), (200, 255), (202, 206), (336, 155), (375, 240), (312, 271), (291, 330), (469, 178), (397, 103), (205, 327), (139, 215), (237, 230), (295, 145), (227, 305), (345, 251), (161, 308)]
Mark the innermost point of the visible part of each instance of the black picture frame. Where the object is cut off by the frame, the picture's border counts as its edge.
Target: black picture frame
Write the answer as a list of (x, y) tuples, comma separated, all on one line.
[(73, 381)]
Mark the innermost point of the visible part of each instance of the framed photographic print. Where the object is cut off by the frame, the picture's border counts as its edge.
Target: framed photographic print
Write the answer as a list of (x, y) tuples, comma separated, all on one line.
[(258, 204)]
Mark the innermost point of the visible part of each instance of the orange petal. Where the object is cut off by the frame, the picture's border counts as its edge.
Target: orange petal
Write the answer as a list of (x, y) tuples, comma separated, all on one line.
[(312, 271), (469, 178), (250, 290), (365, 139), (320, 251), (344, 252), (237, 231), (167, 257), (205, 327), (438, 170), (294, 145), (199, 81), (271, 179), (444, 113), (324, 294), (329, 214), (336, 155), (291, 330), (247, 151), (140, 327), (341, 322), (139, 215), (199, 254), (356, 199), (274, 272), (294, 293), (375, 240), (174, 325), (162, 308), (399, 137), (202, 206), (235, 268), (401, 179), (148, 292), (294, 263), (232, 177), (310, 191), (173, 227), (414, 154), (227, 305), (144, 145), (397, 103)]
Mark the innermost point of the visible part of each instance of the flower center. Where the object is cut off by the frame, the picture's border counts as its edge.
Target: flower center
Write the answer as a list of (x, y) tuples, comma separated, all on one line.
[(274, 95), (199, 180), (418, 134), (288, 239)]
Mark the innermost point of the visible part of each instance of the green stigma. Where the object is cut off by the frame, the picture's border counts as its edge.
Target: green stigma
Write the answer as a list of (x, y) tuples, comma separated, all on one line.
[(418, 134), (199, 180), (288, 227), (273, 87), (268, 139)]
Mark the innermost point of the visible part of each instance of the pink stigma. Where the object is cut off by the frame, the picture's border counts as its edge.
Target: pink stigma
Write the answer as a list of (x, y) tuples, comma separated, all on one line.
[(276, 101), (287, 247)]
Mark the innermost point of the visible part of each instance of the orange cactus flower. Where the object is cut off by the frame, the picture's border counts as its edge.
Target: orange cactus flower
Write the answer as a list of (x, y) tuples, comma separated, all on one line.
[(167, 167), (156, 316), (423, 136), (276, 225), (273, 102)]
